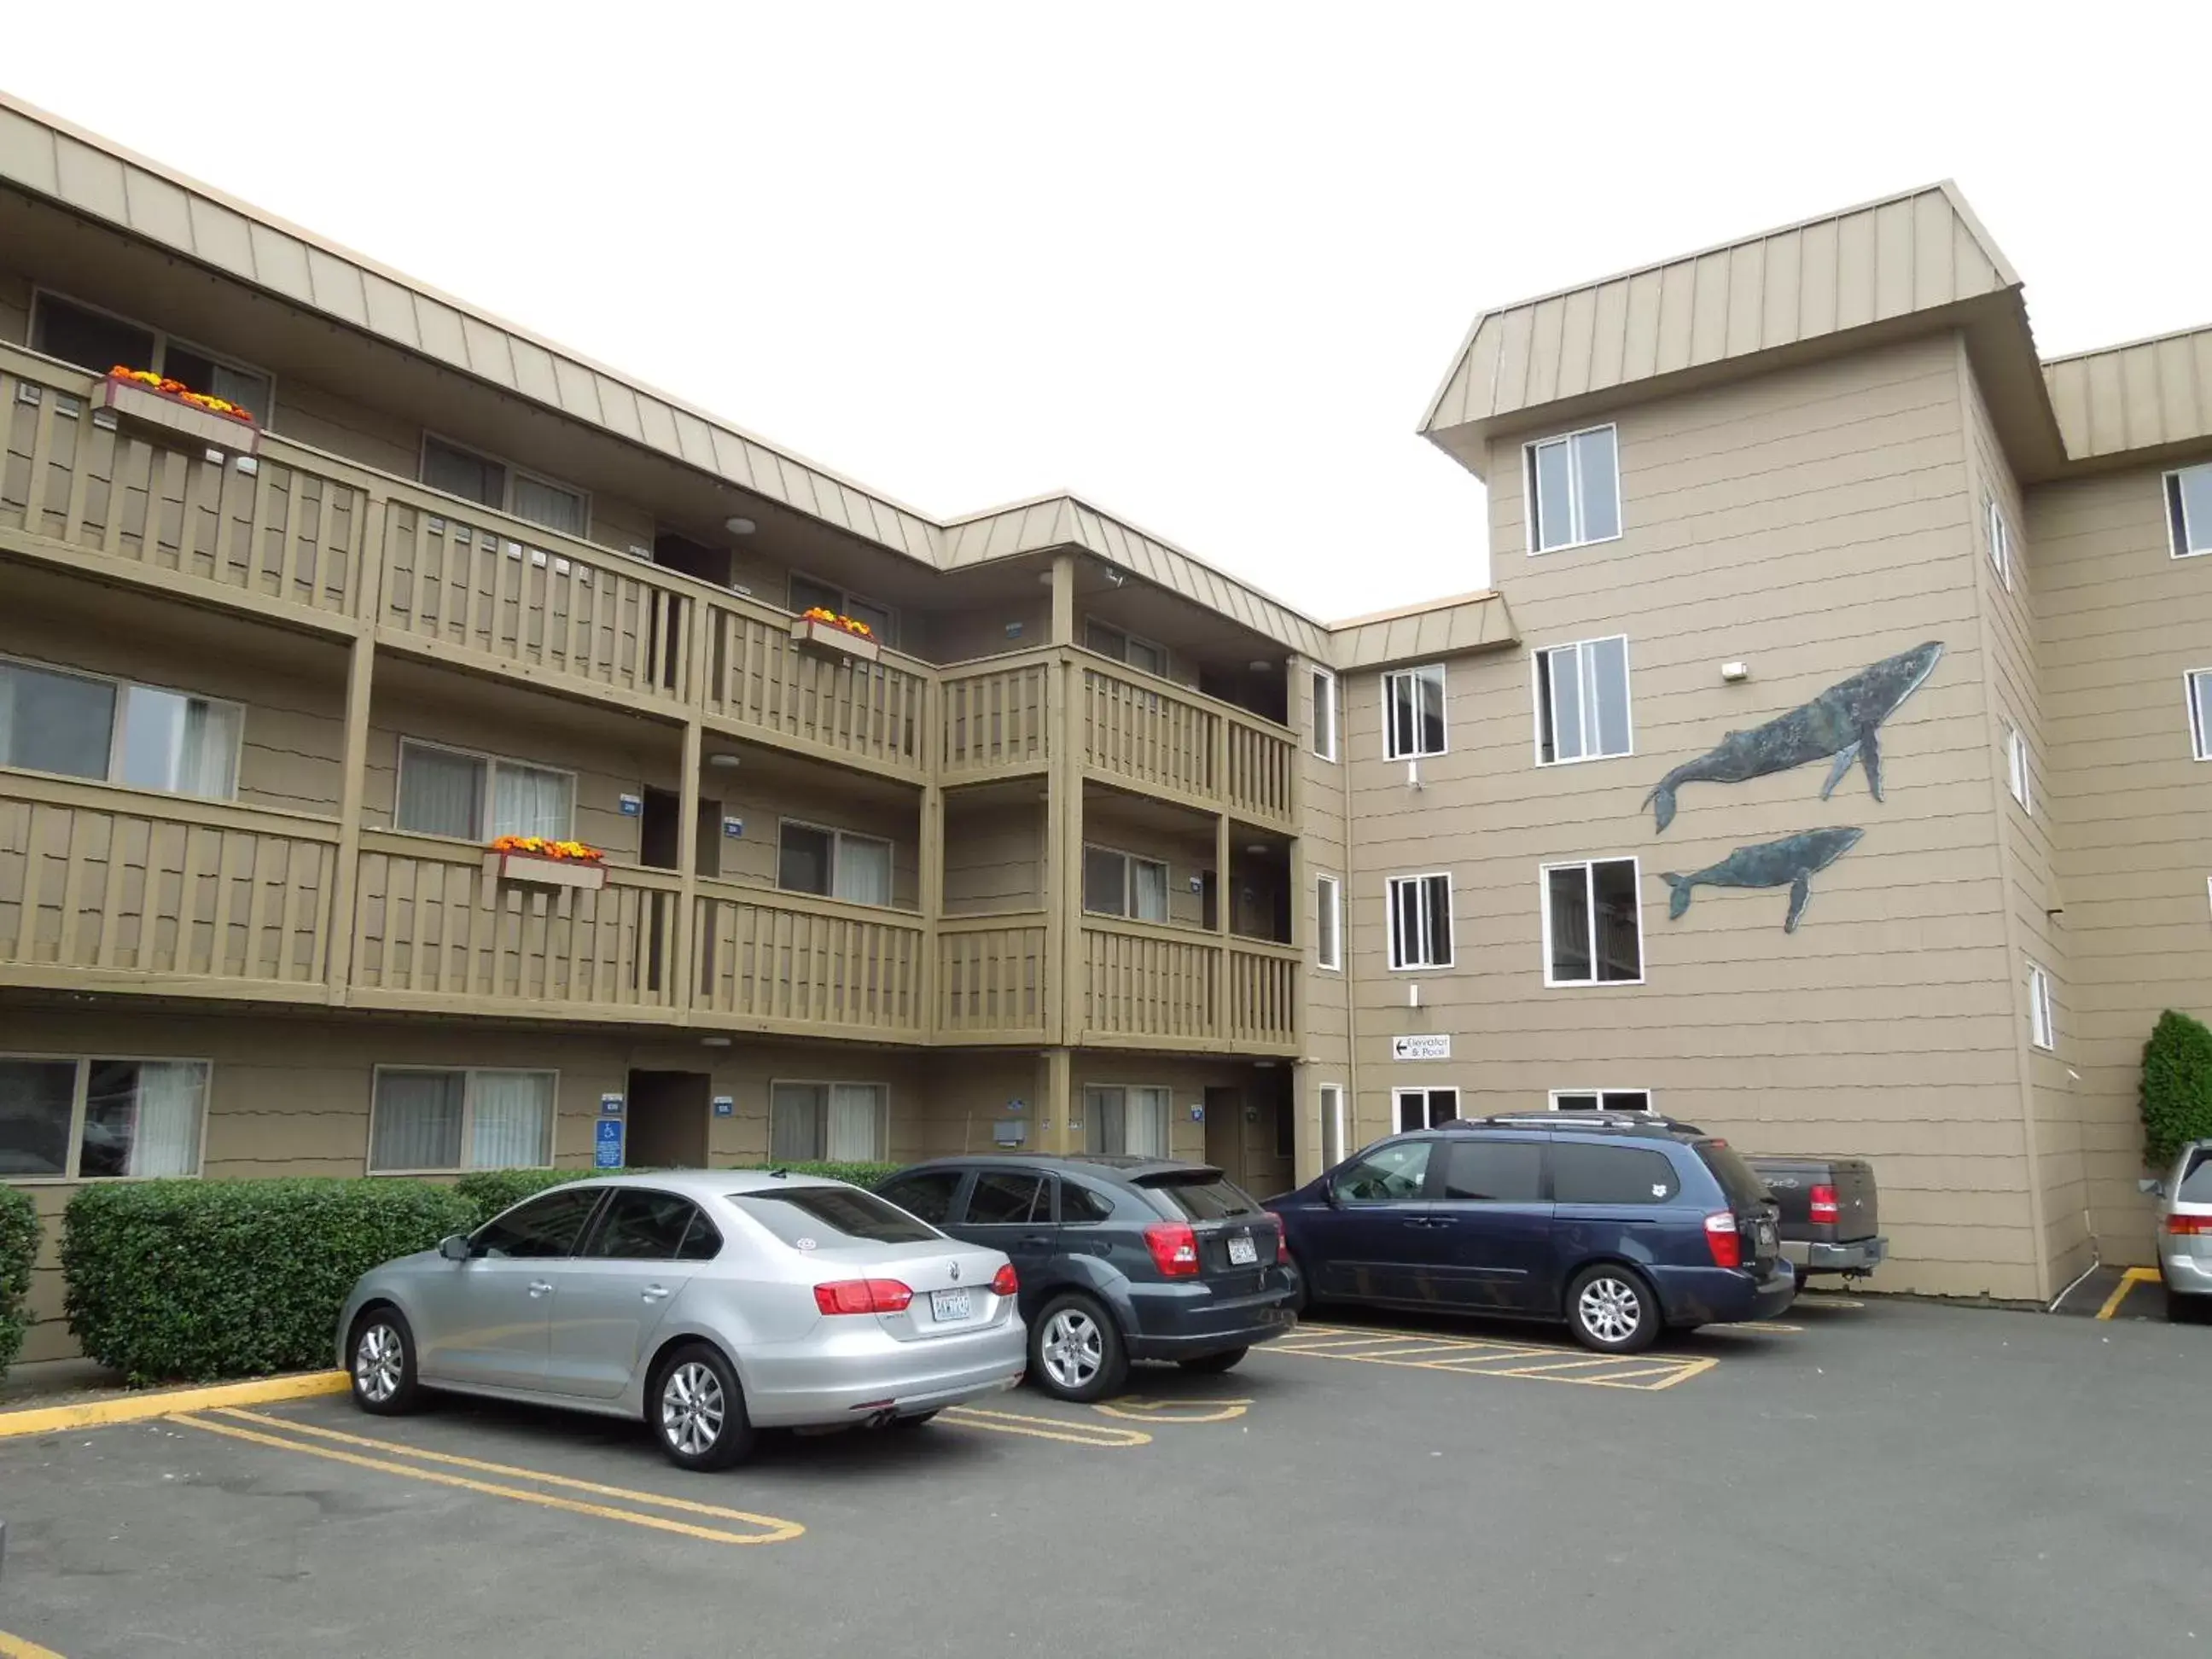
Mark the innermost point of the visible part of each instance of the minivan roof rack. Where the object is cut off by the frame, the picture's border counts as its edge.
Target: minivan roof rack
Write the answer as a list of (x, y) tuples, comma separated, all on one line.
[(1587, 1119)]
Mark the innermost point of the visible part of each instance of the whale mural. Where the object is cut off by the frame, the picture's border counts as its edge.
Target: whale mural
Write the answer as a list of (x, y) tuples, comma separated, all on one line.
[(1839, 725), (1790, 862)]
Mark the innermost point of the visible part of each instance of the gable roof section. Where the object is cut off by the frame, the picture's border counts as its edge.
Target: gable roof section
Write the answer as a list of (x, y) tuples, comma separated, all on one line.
[(2145, 395), (1439, 627)]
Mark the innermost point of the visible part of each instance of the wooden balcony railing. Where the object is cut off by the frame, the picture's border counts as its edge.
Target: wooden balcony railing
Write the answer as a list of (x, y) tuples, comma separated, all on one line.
[(432, 929), (1263, 989), (772, 961), (1145, 733), (1145, 984), (996, 715), (104, 889), (992, 982), (836, 705), (1260, 765)]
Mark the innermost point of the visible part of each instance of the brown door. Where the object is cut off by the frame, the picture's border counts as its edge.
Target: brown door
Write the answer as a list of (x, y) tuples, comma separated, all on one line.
[(1224, 1132), (668, 1113)]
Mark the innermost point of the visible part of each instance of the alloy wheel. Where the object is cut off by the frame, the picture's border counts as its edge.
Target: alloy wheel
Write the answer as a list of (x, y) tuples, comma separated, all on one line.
[(692, 1409), (1073, 1348), (1610, 1309), (379, 1359)]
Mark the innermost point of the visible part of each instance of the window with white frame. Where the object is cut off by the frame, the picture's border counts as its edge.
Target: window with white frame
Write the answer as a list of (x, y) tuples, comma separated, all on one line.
[(1328, 931), (2189, 510), (431, 1120), (828, 1122), (1574, 490), (1324, 713), (1125, 1121), (83, 1118), (97, 341), (1118, 883), (1601, 1100), (2000, 540), (1109, 641), (2017, 768), (1420, 921), (2042, 1028), (493, 483), (451, 791), (1582, 701), (1593, 923), (813, 858), (1414, 712), (812, 593), (2200, 713), (84, 726), (1331, 1124), (1422, 1109)]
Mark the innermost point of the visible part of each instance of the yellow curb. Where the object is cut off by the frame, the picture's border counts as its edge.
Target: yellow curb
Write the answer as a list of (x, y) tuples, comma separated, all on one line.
[(136, 1407), (15, 1647), (2129, 1280)]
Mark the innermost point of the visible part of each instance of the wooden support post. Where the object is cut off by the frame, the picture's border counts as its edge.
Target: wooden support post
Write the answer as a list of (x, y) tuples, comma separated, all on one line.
[(683, 965), (1059, 1103), (1063, 598), (1224, 899), (353, 785)]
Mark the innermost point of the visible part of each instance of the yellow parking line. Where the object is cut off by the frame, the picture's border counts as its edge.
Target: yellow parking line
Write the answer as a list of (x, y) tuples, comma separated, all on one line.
[(1551, 1367), (1074, 1433), (14, 1647), (1518, 1364), (2129, 1280), (1762, 1325), (783, 1530), (1174, 1410), (136, 1407), (1818, 1301)]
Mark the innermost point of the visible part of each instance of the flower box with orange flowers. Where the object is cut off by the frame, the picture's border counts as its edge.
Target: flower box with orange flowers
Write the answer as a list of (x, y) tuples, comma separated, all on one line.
[(137, 394), (825, 630), (538, 862)]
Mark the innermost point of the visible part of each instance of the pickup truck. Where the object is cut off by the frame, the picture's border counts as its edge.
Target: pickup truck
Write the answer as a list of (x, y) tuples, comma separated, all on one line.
[(1828, 1213)]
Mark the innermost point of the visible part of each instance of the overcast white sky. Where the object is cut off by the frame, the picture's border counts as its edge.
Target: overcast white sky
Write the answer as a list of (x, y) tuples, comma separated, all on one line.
[(1203, 263)]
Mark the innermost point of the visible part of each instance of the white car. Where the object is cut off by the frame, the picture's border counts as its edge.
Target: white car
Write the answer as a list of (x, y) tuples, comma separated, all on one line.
[(711, 1303), (2185, 1230)]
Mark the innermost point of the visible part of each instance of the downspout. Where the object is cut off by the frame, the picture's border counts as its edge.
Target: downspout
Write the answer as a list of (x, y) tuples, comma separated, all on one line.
[(1352, 1142)]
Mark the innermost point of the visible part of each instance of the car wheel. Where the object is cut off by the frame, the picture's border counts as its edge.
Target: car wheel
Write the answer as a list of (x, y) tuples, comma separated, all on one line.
[(1075, 1352), (382, 1362), (1306, 1301), (1212, 1364), (1612, 1309), (698, 1410), (2183, 1309), (1800, 1276), (914, 1422)]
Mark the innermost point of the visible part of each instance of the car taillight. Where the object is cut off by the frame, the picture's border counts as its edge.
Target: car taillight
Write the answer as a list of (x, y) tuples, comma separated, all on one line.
[(1003, 1283), (1825, 1207), (1282, 1241), (1723, 1240), (863, 1296), (1174, 1248), (2190, 1226)]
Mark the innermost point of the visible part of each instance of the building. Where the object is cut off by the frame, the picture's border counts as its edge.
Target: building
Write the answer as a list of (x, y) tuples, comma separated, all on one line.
[(1086, 844)]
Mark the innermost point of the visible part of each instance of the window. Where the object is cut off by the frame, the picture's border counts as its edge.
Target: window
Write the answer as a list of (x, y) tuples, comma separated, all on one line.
[(1999, 541), (1007, 1197), (1199, 1195), (2195, 1185), (827, 1123), (1478, 1170), (1582, 701), (487, 483), (1324, 713), (72, 1119), (1583, 1174), (1420, 921), (2200, 713), (1593, 924), (54, 721), (2042, 1028), (833, 863), (1601, 1100), (2016, 767), (1422, 1109), (1116, 884), (1574, 490), (827, 1216), (1127, 1122), (543, 1228), (1389, 1174), (2189, 510), (447, 792), (928, 1196), (460, 1119), (98, 341), (1328, 935), (1414, 712), (809, 594), (1143, 653), (1079, 1204), (639, 1226), (1331, 1124)]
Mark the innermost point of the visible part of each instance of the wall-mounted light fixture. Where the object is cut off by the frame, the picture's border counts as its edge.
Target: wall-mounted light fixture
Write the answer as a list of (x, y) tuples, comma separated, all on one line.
[(1734, 674), (739, 526)]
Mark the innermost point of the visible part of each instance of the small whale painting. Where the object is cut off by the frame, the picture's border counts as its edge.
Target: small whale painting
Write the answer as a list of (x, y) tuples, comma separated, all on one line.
[(1788, 863), (1839, 725)]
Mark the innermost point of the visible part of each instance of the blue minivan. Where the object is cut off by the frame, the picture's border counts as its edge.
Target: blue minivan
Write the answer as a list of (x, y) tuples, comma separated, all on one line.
[(1620, 1224)]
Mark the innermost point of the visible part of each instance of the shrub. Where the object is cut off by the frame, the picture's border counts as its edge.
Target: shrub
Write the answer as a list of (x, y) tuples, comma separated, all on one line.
[(493, 1190), (188, 1281), (2177, 1086), (19, 1245)]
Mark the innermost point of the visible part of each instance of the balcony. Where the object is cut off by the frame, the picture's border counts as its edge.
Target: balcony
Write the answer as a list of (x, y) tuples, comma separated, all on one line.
[(1148, 986), (786, 962), (1143, 732)]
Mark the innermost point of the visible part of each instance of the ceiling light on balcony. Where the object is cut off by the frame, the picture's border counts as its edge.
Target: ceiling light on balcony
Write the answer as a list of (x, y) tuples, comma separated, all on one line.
[(739, 526), (713, 1042), (1258, 849), (1259, 664), (724, 762)]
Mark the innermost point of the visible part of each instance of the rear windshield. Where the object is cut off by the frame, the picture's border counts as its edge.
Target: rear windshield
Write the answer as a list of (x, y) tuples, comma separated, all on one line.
[(2196, 1185), (810, 1218), (1738, 1183), (1199, 1195)]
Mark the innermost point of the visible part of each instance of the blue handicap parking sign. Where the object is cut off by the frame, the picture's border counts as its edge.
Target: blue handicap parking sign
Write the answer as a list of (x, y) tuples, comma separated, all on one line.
[(609, 1147)]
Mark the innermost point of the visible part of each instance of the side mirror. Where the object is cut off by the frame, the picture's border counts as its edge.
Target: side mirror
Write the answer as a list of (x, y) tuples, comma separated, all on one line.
[(2152, 1185), (455, 1247), (1329, 1195)]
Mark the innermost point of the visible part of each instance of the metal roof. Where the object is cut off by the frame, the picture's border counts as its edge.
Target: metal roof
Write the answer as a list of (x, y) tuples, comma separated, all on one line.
[(2147, 394)]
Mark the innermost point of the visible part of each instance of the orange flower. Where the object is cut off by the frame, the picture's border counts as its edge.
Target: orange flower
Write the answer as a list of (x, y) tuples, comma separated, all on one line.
[(574, 851), (822, 614), (181, 393)]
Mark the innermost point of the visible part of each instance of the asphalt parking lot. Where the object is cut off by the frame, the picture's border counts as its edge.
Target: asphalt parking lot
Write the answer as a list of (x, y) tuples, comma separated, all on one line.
[(1881, 1478)]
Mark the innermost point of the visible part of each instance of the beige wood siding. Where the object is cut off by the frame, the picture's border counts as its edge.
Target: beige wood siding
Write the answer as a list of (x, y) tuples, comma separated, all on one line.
[(994, 857), (15, 308)]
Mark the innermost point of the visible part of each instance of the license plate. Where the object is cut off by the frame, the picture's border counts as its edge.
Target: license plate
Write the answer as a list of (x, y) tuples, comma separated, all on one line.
[(948, 1304), (1766, 1236), (1242, 1253)]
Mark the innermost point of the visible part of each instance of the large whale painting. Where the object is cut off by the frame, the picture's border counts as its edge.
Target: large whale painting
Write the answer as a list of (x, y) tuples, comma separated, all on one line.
[(1790, 862), (1839, 725)]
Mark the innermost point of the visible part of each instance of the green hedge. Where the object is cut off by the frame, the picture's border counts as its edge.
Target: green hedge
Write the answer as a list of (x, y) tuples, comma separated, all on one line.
[(190, 1280), (493, 1190), (19, 1245), (2177, 1087)]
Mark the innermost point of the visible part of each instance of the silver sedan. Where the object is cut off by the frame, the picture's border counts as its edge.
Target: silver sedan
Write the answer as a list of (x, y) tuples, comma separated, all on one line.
[(711, 1303)]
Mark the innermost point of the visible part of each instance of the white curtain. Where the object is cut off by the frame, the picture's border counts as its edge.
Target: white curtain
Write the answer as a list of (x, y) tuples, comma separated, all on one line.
[(1146, 1124), (512, 1120), (418, 1120), (864, 870), (794, 1118), (529, 801), (185, 745), (440, 793), (1148, 890), (1103, 1112), (166, 1138), (548, 505), (856, 1115)]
